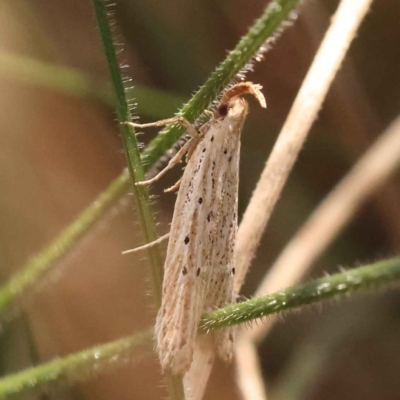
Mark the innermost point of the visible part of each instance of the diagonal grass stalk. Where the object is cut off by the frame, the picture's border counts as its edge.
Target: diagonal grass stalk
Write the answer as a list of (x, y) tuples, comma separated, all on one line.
[(70, 368), (370, 276), (264, 27)]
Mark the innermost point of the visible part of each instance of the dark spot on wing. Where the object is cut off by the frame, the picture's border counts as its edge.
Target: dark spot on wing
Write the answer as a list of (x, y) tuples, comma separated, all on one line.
[(233, 271), (212, 138), (200, 200), (186, 241), (184, 270), (230, 159), (198, 272), (225, 151)]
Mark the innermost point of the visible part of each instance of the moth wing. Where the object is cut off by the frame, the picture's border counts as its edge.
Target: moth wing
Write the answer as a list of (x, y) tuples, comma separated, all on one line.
[(223, 269), (188, 258), (200, 257), (178, 319)]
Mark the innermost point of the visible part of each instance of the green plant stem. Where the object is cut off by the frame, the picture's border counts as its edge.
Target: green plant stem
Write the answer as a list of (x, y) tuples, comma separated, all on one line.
[(260, 31), (71, 367), (76, 366), (136, 172), (135, 167), (370, 276)]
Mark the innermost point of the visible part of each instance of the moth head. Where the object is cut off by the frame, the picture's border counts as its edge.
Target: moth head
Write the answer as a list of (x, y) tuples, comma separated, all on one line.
[(233, 105), (233, 113)]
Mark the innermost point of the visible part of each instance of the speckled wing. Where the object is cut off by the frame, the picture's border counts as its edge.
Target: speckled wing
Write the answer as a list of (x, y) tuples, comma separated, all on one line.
[(199, 266)]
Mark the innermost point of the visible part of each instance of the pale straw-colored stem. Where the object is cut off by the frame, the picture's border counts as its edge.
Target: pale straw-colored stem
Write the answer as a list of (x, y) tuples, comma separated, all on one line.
[(352, 111), (294, 132), (368, 175), (374, 168), (248, 370)]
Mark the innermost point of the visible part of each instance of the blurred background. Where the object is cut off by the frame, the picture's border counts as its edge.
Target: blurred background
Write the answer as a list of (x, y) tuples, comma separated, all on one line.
[(60, 148)]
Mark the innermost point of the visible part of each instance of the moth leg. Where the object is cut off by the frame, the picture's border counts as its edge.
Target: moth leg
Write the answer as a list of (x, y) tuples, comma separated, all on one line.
[(182, 120), (192, 144), (147, 245), (176, 159), (173, 187), (188, 149)]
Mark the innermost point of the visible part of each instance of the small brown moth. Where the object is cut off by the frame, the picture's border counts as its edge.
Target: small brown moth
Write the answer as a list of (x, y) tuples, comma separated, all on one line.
[(200, 262)]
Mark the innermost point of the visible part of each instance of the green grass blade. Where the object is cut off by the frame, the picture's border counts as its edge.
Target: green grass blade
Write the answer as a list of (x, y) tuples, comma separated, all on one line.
[(132, 153), (371, 276), (136, 172)]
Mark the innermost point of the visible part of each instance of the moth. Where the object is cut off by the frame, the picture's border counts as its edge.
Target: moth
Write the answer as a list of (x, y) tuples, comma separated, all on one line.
[(200, 263)]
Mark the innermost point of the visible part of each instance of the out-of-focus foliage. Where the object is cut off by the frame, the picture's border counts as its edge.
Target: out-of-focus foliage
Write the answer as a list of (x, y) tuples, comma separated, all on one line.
[(59, 151)]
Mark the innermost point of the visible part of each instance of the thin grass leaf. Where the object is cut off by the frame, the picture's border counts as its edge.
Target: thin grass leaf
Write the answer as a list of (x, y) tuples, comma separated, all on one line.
[(75, 367), (135, 168), (371, 276), (136, 172)]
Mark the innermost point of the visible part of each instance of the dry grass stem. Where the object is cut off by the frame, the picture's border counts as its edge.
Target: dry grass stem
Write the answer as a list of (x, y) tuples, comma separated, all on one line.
[(195, 381), (352, 110), (248, 370), (294, 132), (356, 115), (368, 175)]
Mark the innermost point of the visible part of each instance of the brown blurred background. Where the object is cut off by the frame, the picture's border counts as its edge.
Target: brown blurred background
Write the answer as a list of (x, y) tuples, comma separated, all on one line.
[(59, 151)]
